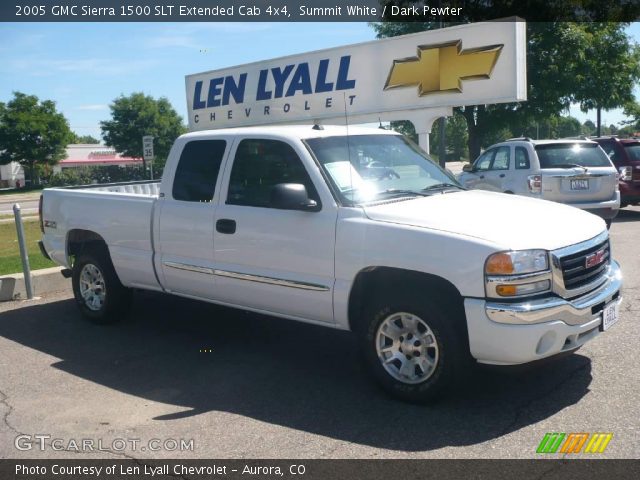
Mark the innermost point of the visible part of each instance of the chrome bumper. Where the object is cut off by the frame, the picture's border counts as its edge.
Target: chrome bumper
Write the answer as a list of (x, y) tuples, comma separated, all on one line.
[(572, 312)]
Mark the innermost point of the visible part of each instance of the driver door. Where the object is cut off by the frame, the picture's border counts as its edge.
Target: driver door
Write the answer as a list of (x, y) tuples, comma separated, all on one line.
[(268, 259)]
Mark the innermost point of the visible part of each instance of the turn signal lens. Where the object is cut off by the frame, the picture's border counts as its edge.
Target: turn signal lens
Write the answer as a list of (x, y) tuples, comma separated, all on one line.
[(506, 290), (535, 183), (499, 264), (523, 288)]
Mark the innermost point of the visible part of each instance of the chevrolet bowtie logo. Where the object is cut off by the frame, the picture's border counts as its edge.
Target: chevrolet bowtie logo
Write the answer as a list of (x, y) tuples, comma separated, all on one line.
[(441, 68)]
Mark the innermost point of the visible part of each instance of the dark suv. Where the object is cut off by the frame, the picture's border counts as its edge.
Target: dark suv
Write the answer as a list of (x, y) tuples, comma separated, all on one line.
[(625, 155)]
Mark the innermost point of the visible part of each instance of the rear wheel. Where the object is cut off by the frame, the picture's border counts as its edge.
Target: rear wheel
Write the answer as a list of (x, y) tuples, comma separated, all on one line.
[(412, 348), (97, 290)]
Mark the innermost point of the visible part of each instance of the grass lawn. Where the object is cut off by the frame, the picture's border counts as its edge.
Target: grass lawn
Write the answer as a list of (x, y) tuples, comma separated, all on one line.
[(10, 253)]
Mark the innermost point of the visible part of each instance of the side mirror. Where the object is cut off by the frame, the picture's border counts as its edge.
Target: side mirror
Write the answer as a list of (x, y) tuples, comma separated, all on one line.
[(292, 196), (467, 167)]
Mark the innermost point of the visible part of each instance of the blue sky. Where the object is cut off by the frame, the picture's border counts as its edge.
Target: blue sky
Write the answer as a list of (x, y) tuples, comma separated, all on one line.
[(84, 66)]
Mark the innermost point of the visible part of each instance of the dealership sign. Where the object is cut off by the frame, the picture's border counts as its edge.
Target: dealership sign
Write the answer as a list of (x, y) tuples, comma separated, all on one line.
[(480, 63)]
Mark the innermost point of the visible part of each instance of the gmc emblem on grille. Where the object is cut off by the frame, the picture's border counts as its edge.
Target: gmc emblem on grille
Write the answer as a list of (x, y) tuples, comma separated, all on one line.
[(594, 259)]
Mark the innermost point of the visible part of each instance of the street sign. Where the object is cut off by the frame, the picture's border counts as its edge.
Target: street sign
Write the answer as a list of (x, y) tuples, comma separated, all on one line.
[(147, 147)]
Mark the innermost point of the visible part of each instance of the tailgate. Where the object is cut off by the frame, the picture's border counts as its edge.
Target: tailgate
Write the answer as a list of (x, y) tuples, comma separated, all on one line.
[(576, 185)]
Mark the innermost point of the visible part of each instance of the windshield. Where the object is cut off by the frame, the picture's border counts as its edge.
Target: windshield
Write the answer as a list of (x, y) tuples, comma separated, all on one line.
[(568, 155), (633, 150), (365, 168)]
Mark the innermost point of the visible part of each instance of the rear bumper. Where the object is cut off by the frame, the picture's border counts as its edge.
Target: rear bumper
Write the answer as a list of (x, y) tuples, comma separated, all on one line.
[(516, 333), (606, 210)]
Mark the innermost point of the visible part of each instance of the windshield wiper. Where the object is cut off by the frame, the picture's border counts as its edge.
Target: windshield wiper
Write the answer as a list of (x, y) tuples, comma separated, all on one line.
[(570, 165), (398, 191), (440, 186)]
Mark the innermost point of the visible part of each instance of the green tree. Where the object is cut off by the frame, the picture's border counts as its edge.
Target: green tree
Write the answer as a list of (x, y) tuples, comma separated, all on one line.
[(138, 115), (33, 133), (608, 70), (87, 139), (588, 128)]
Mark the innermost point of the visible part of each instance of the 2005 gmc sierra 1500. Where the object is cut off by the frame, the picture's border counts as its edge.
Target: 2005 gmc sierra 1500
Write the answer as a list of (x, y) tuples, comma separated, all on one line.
[(351, 228)]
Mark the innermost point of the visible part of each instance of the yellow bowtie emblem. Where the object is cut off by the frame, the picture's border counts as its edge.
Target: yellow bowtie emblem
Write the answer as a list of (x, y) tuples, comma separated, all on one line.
[(441, 68)]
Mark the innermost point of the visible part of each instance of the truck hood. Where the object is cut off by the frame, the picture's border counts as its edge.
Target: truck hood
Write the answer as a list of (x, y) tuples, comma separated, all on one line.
[(509, 221)]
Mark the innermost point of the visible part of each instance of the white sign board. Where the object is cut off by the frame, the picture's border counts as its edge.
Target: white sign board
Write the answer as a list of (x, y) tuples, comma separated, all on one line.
[(147, 147), (480, 63)]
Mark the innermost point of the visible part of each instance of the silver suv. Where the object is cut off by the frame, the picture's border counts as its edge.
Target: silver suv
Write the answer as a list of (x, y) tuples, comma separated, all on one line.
[(574, 172)]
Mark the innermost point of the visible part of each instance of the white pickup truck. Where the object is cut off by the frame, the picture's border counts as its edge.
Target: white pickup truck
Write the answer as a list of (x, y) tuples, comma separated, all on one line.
[(350, 228)]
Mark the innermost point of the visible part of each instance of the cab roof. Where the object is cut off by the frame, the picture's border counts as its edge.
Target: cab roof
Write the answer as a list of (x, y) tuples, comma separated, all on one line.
[(300, 132)]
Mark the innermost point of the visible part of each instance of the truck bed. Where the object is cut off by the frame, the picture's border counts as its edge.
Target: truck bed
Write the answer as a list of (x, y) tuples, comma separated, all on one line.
[(121, 213)]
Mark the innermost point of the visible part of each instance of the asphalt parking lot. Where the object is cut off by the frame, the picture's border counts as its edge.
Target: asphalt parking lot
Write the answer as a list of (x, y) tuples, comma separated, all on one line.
[(247, 386)]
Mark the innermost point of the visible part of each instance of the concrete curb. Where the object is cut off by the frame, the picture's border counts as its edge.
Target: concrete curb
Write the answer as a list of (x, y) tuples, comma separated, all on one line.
[(44, 281)]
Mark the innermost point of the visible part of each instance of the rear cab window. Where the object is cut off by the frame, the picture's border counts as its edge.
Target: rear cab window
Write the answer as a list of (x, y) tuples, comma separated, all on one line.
[(197, 172), (568, 155), (633, 151)]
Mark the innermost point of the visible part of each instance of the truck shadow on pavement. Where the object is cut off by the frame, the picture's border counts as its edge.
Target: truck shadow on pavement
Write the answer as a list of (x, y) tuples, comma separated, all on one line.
[(285, 373)]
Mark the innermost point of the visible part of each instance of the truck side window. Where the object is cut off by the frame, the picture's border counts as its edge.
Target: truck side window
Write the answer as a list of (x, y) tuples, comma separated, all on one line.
[(259, 166), (522, 159), (502, 159), (197, 172)]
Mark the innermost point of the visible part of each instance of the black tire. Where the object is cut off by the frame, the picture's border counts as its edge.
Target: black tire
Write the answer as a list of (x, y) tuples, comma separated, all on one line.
[(452, 350), (608, 221), (117, 298)]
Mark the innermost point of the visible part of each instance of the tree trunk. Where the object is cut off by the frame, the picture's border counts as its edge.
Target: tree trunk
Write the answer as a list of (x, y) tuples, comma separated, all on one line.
[(442, 148), (598, 120), (474, 143)]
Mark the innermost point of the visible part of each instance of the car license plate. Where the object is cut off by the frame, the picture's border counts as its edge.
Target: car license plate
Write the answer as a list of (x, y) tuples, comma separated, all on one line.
[(610, 315), (579, 184)]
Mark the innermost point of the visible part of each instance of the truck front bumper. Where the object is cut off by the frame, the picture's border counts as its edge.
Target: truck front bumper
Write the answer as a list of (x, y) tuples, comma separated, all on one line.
[(515, 333)]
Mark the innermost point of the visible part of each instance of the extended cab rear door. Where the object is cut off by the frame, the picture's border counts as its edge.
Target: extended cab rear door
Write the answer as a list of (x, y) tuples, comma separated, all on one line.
[(274, 260), (185, 217)]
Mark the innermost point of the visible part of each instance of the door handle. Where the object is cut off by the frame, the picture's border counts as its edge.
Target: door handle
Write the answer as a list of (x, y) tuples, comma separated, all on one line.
[(502, 175), (226, 225)]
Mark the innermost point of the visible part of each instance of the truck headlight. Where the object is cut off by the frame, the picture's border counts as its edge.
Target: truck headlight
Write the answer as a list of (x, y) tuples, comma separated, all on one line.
[(517, 274), (517, 263)]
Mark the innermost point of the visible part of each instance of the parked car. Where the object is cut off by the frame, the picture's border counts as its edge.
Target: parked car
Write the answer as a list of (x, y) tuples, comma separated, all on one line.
[(354, 229), (625, 155), (574, 172)]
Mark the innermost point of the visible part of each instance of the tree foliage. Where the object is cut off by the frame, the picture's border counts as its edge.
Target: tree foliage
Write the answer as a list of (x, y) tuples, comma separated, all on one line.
[(85, 139), (32, 132), (138, 115)]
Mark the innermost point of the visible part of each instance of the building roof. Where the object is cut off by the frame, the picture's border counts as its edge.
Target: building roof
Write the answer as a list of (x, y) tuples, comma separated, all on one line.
[(83, 155)]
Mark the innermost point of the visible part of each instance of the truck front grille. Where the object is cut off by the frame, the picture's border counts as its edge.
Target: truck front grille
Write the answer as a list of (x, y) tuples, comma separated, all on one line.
[(577, 271)]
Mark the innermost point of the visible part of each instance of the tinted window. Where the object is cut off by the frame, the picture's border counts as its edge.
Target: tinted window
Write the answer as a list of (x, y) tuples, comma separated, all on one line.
[(259, 166), (522, 158), (610, 149), (568, 155), (501, 158), (633, 151), (195, 179)]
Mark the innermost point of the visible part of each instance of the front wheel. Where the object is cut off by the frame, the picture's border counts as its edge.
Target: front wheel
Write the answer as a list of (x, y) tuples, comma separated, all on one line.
[(97, 290), (413, 349)]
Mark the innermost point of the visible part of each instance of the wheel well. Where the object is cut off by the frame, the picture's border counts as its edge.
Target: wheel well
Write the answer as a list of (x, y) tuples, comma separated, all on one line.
[(79, 241), (374, 282)]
